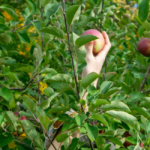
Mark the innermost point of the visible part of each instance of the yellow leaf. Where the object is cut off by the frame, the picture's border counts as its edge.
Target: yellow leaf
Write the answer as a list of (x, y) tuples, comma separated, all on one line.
[(23, 136), (12, 145)]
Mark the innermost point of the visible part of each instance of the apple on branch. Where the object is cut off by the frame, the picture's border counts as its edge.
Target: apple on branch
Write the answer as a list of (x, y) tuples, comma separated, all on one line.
[(98, 44), (144, 47)]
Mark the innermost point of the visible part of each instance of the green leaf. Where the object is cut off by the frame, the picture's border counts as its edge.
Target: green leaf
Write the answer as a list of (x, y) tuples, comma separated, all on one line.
[(71, 13), (32, 133), (125, 117), (45, 121), (51, 9), (88, 79), (1, 118), (48, 70), (81, 55), (135, 96), (5, 139), (82, 40), (6, 94), (10, 11), (2, 20), (5, 37), (30, 104), (141, 111), (48, 91), (58, 109), (27, 69), (64, 78), (92, 131), (109, 133), (37, 25), (100, 102), (24, 38), (115, 140), (110, 75), (73, 144), (111, 91), (32, 5), (55, 31), (143, 10), (38, 55), (62, 137), (105, 86), (11, 118), (12, 103), (100, 118), (80, 118), (46, 103), (141, 30), (67, 126), (116, 105), (100, 142)]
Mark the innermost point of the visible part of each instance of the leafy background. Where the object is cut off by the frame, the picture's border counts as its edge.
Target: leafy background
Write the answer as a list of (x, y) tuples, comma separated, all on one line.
[(37, 75)]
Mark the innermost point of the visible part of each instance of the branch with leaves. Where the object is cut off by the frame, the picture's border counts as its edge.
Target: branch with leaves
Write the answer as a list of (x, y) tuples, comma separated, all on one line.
[(145, 78), (75, 75), (23, 88)]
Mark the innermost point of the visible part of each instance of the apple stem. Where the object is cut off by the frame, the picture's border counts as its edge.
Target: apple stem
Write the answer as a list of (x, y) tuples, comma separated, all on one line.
[(145, 78)]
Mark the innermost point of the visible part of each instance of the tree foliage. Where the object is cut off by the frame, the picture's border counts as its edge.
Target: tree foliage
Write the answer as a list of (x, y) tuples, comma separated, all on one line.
[(41, 61)]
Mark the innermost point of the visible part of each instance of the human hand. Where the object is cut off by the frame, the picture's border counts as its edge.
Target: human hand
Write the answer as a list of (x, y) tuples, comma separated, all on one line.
[(95, 63)]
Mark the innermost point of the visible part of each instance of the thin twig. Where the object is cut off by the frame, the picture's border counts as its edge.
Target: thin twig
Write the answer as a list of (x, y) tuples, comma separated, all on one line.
[(145, 92), (45, 131), (102, 15), (42, 39), (92, 147), (13, 30), (18, 140), (23, 88), (145, 78), (75, 75)]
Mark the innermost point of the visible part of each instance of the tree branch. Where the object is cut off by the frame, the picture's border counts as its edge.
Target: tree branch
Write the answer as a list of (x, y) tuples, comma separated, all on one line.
[(145, 78), (23, 88), (44, 131), (42, 39), (13, 30), (145, 92), (75, 75), (20, 141)]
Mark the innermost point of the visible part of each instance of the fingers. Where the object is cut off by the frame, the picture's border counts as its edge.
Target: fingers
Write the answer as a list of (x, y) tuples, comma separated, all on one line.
[(89, 51), (107, 42), (106, 48)]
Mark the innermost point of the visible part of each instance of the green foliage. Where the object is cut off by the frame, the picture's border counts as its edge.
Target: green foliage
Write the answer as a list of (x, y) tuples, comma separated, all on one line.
[(37, 83)]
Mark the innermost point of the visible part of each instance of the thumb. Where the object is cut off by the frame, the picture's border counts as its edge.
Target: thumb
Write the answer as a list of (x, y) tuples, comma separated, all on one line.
[(89, 50)]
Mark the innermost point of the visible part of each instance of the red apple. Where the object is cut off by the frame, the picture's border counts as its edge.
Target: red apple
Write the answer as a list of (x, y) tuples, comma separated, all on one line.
[(141, 145), (126, 143), (22, 118), (144, 47), (16, 113), (98, 44)]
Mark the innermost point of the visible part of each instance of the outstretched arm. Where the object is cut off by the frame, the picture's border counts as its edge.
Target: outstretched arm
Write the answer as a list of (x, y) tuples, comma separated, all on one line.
[(95, 63)]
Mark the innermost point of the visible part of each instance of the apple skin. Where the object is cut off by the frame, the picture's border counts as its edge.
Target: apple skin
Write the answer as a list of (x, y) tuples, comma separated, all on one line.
[(16, 113), (98, 44), (22, 118), (126, 143), (144, 47)]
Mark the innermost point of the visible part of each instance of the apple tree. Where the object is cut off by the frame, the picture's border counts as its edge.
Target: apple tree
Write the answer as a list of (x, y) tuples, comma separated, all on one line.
[(42, 56)]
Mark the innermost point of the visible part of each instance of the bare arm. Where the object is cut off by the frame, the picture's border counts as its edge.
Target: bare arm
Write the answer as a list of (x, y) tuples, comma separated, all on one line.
[(94, 64)]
